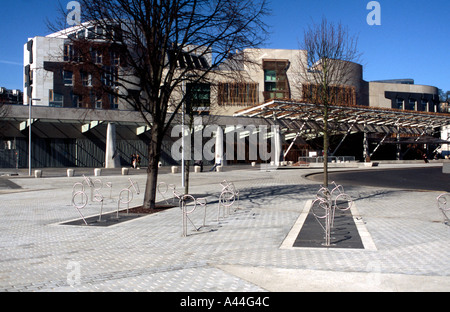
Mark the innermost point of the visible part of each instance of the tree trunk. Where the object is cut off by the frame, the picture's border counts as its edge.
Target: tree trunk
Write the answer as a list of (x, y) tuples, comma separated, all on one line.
[(152, 170)]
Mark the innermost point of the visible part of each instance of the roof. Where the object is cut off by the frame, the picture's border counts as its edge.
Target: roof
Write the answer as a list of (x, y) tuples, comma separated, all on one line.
[(376, 119), (382, 120)]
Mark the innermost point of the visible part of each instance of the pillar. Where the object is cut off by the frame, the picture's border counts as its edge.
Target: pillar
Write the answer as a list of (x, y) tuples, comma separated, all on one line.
[(112, 159)]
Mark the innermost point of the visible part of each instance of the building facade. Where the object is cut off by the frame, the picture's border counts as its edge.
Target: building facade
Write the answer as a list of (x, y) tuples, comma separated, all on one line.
[(58, 78)]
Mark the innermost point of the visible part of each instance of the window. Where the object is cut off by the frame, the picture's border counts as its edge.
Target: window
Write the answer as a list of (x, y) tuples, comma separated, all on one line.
[(81, 34), (422, 106), (199, 95), (55, 99), (97, 57), (239, 93), (68, 52), (411, 105), (113, 101), (91, 33), (431, 107), (398, 103), (110, 76), (68, 78), (86, 79), (98, 102), (276, 85), (76, 100), (115, 58)]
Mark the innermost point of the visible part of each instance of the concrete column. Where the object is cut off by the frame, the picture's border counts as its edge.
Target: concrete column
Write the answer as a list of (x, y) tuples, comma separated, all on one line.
[(112, 159)]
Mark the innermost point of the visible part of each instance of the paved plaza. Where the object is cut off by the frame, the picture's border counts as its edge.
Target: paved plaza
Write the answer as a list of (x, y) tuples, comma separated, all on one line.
[(406, 243)]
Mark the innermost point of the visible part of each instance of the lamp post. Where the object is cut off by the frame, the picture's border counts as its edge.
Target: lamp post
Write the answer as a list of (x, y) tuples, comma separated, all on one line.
[(183, 155), (29, 133)]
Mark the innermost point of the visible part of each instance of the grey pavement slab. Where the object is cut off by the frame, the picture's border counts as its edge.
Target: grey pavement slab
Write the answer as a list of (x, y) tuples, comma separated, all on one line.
[(243, 252)]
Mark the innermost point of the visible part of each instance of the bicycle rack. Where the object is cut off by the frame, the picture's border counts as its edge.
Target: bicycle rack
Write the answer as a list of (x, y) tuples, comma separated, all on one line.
[(325, 205), (129, 195), (442, 204), (227, 198), (99, 198), (163, 188), (80, 205), (188, 204)]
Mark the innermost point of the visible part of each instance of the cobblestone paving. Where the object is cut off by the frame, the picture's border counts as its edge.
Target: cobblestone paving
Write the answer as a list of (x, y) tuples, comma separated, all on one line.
[(37, 253)]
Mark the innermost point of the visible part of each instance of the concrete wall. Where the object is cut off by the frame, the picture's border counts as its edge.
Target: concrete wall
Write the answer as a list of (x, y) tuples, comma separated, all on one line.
[(377, 92)]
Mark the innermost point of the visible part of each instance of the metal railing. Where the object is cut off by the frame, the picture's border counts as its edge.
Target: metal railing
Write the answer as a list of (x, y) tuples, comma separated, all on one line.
[(331, 159)]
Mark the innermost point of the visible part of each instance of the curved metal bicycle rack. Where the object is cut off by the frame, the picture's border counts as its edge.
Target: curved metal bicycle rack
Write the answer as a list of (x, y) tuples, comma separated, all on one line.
[(227, 198), (163, 188), (99, 198), (78, 192), (80, 205), (129, 195), (188, 204), (442, 203), (325, 205)]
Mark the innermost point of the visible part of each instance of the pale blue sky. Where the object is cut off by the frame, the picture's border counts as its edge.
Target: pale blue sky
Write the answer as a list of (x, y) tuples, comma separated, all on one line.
[(411, 42)]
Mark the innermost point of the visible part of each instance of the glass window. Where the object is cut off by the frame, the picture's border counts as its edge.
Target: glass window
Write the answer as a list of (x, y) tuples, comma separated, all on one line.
[(113, 101), (275, 79), (86, 79), (68, 78), (110, 76), (399, 103), (68, 52), (422, 106), (55, 99), (199, 95), (96, 57), (91, 33), (411, 104), (98, 102)]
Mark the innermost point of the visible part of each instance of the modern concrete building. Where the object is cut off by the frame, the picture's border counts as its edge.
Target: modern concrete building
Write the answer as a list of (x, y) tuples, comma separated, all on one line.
[(74, 120), (403, 94), (8, 96)]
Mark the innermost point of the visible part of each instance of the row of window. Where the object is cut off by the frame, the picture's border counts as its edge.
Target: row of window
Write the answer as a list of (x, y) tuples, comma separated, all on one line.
[(109, 77), (93, 100), (108, 32), (71, 54), (411, 104)]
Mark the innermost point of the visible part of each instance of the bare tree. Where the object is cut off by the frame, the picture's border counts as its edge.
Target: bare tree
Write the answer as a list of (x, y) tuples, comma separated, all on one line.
[(169, 43), (326, 72)]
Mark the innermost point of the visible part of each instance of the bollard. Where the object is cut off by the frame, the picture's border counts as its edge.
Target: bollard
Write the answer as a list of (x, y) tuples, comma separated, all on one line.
[(97, 172), (219, 168), (174, 169), (197, 168), (124, 171), (37, 173), (70, 172)]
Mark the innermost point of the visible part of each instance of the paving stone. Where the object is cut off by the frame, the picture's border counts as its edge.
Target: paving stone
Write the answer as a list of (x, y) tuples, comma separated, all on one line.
[(38, 253)]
